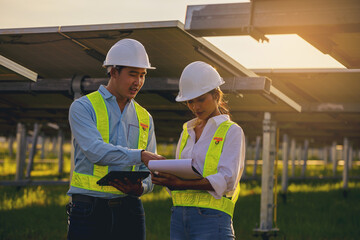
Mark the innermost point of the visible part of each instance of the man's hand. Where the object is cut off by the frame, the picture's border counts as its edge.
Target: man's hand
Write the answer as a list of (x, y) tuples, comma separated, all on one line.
[(128, 187), (146, 156)]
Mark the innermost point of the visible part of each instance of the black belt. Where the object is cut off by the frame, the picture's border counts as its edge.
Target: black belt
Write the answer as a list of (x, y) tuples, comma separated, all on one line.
[(90, 199), (82, 198)]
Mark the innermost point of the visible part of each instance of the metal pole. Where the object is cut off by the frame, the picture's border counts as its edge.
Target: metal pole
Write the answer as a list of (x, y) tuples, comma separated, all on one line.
[(299, 151), (257, 154), (11, 145), (60, 151), (20, 151), (285, 155), (346, 164), (305, 156), (42, 156), (351, 156), (267, 178), (334, 158), (325, 155), (33, 150), (292, 155)]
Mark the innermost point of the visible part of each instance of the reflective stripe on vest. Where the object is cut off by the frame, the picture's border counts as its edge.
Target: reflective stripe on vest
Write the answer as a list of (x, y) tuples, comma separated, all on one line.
[(197, 198), (88, 182)]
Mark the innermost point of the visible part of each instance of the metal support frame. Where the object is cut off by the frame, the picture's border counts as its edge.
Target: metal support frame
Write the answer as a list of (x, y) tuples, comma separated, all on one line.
[(76, 86), (33, 150), (42, 155), (334, 158), (305, 157), (292, 156), (346, 163), (267, 179), (60, 151), (21, 151), (17, 68), (11, 146), (326, 155), (351, 156), (285, 156), (276, 17)]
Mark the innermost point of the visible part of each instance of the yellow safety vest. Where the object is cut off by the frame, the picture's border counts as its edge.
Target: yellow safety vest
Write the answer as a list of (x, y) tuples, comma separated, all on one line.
[(199, 198), (88, 182)]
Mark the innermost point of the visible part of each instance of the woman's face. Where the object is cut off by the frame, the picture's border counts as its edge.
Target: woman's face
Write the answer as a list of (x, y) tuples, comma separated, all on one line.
[(204, 106)]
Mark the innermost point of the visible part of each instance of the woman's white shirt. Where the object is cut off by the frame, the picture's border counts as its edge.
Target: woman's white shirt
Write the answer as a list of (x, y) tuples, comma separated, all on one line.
[(231, 162)]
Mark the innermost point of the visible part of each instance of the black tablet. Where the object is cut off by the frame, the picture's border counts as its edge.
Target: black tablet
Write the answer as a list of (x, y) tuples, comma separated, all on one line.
[(131, 175)]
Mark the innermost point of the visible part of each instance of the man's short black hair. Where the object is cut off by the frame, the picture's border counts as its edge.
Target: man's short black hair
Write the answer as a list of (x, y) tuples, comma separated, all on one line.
[(118, 68)]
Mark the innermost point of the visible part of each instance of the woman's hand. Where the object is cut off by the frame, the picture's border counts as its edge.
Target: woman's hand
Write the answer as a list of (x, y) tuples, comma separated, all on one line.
[(175, 183), (167, 180), (128, 187)]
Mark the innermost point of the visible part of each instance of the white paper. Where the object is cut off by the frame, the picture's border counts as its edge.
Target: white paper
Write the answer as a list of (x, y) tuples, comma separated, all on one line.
[(181, 168)]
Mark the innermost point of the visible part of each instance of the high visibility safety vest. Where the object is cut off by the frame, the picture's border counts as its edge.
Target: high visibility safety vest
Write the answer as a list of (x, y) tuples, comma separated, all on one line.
[(88, 182), (198, 198)]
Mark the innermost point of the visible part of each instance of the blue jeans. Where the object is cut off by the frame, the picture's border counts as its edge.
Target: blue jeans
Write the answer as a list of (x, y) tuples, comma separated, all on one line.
[(96, 218), (199, 224)]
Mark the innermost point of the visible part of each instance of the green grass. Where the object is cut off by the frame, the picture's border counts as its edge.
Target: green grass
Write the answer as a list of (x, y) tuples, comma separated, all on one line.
[(313, 209)]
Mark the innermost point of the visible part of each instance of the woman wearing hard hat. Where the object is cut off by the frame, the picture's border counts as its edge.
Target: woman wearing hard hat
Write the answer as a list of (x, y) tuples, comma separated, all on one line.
[(204, 207)]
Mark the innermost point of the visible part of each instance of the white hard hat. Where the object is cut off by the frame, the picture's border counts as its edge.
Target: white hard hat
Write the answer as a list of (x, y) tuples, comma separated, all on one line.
[(127, 52), (197, 79)]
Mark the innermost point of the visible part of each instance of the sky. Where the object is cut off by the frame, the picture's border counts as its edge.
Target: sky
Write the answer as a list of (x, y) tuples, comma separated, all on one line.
[(282, 51)]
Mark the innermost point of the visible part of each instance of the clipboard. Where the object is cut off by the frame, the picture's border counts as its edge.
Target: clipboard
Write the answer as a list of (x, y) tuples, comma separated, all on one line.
[(182, 168), (133, 176)]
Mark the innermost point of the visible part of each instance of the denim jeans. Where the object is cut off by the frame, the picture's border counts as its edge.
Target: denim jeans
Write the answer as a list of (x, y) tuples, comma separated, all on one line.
[(123, 218), (199, 224)]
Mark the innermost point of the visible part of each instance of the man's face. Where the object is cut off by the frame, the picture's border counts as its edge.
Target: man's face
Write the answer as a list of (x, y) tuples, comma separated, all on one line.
[(128, 82)]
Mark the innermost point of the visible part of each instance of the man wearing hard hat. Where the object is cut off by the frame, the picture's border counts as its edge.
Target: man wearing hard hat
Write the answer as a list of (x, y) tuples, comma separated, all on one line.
[(111, 132)]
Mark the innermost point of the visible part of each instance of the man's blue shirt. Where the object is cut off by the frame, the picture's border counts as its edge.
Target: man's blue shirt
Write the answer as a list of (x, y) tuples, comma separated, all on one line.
[(120, 153)]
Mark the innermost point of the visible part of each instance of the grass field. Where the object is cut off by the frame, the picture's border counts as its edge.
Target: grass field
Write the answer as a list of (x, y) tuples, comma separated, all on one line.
[(312, 209)]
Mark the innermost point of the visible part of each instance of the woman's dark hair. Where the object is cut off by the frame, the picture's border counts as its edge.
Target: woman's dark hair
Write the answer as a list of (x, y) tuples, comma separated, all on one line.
[(219, 96)]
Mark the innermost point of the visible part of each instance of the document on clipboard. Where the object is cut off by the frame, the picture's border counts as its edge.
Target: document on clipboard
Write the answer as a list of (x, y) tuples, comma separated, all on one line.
[(182, 168)]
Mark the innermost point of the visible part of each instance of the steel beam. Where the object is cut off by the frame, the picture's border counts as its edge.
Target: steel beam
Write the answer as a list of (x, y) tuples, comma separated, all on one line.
[(15, 67)]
